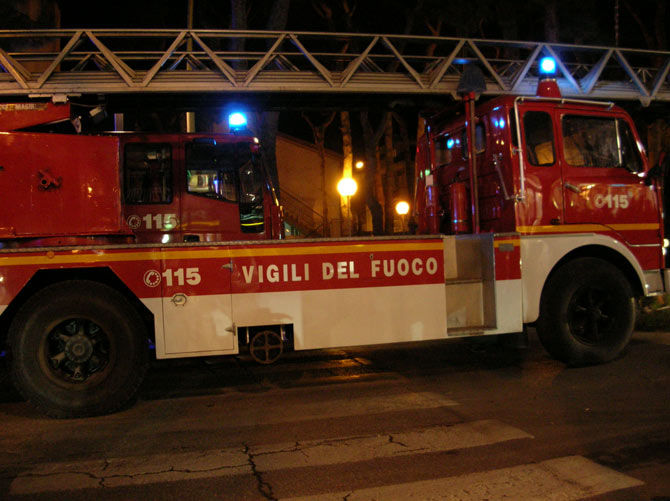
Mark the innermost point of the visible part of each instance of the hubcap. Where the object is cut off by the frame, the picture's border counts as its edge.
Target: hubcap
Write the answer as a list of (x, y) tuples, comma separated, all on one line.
[(591, 315), (76, 350)]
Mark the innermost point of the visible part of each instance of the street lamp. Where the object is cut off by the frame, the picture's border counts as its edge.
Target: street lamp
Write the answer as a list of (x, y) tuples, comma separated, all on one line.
[(402, 209), (360, 164), (346, 188)]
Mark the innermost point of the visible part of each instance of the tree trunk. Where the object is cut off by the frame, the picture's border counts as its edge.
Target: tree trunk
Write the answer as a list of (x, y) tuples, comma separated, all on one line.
[(371, 140), (269, 123), (278, 15), (551, 25), (347, 172), (238, 21), (319, 133), (406, 190), (388, 178)]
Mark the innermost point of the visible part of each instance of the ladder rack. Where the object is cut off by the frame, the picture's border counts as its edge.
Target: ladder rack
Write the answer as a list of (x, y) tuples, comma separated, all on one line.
[(103, 61)]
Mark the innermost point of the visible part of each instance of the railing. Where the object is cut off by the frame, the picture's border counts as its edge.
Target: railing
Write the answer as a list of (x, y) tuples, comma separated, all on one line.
[(48, 62), (301, 216)]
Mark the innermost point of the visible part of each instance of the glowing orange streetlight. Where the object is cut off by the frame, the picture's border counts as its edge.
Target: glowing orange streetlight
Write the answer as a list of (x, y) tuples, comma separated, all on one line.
[(402, 209), (347, 188)]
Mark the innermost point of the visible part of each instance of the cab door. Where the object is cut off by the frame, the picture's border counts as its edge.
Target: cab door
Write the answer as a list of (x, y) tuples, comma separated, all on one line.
[(600, 162), (543, 198)]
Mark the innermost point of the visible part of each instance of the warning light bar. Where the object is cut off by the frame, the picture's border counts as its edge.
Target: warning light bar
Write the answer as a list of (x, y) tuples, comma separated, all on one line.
[(237, 121), (547, 66)]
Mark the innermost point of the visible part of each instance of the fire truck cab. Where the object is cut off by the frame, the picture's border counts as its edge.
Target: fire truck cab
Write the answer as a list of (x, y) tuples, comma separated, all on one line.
[(568, 179)]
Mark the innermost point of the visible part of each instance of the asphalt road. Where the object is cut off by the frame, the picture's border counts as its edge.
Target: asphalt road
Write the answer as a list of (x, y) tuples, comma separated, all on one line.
[(456, 420)]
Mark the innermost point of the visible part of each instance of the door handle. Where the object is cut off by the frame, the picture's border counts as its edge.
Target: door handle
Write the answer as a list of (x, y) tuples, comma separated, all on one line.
[(179, 299), (572, 187)]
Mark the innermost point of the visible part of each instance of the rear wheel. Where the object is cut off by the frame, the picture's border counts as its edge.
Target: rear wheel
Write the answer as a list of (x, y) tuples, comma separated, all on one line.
[(78, 348), (587, 312)]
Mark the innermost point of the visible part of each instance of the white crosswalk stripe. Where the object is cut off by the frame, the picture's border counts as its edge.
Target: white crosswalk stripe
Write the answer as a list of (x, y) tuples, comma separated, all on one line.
[(564, 478), (205, 464)]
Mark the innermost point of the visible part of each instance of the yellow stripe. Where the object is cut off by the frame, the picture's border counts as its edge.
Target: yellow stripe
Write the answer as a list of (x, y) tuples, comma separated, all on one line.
[(280, 250), (297, 251), (76, 257), (514, 241), (583, 228), (634, 226)]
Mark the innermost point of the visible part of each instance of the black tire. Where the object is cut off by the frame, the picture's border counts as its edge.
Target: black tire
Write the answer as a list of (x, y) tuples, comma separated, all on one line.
[(587, 312), (78, 348)]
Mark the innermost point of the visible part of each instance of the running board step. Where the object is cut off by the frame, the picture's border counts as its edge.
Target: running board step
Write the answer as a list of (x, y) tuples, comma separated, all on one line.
[(469, 331)]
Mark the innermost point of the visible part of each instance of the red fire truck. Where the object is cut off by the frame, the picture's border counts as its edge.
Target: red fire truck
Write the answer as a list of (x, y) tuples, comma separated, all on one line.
[(563, 230)]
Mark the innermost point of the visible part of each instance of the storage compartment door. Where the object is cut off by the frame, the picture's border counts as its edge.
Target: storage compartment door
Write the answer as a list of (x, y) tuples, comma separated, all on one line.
[(197, 306)]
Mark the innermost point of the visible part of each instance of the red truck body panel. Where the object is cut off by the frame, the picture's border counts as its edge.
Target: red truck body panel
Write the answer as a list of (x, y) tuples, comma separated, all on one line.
[(57, 184)]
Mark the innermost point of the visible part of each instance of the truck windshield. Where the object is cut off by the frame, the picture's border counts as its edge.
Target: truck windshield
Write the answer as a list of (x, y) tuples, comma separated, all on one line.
[(590, 141)]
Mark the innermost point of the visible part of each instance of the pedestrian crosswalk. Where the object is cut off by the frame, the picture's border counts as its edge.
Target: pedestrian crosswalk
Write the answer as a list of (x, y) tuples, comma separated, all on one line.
[(563, 479), (566, 477)]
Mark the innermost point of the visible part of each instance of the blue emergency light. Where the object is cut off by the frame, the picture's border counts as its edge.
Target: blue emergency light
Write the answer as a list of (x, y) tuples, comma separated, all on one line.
[(237, 121), (547, 66)]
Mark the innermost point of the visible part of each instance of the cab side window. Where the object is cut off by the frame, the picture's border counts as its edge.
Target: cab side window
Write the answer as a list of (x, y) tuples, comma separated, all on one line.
[(443, 147), (539, 136), (630, 153), (211, 172), (148, 173), (480, 140)]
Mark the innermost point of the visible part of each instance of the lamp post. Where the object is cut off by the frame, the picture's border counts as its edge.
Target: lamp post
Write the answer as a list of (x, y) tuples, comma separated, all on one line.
[(347, 187)]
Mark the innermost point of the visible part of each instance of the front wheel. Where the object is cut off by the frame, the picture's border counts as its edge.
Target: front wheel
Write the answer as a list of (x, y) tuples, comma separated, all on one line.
[(587, 312), (78, 348)]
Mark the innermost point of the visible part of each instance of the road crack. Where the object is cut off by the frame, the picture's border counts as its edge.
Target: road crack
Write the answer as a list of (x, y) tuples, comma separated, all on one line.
[(394, 441), (264, 488), (103, 480)]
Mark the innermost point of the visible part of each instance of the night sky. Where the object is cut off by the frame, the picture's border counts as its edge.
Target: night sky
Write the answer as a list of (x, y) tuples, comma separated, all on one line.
[(641, 22)]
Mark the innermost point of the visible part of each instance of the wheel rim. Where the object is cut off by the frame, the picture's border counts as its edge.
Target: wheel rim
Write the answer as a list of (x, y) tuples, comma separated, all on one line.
[(591, 315), (76, 352), (266, 347)]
